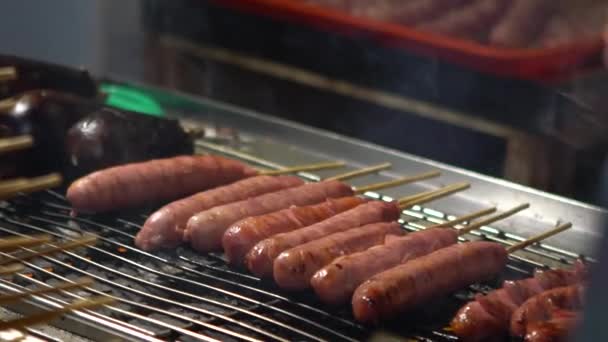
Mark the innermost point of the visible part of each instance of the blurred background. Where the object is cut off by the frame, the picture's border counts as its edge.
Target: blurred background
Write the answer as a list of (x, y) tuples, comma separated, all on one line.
[(540, 124)]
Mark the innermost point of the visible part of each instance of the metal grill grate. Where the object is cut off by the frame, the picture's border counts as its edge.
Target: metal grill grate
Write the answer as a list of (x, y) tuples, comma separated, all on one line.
[(181, 295)]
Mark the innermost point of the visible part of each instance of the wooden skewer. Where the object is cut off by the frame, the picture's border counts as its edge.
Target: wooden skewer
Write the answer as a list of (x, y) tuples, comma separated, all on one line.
[(432, 195), (15, 297), (8, 74), (14, 242), (361, 172), (33, 184), (396, 182), (30, 254), (540, 237), (10, 269), (464, 218), (17, 143), (302, 168), (47, 316), (493, 219)]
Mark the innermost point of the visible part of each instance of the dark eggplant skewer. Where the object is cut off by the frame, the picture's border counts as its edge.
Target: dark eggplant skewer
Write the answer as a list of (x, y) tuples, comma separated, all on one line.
[(110, 137)]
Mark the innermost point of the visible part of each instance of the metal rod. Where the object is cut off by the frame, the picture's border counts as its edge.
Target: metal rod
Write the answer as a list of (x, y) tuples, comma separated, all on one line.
[(17, 143)]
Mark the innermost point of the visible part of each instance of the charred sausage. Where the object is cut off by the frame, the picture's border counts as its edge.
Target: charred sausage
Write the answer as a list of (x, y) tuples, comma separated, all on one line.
[(156, 180), (490, 315), (405, 287), (243, 235), (261, 257), (522, 23), (335, 283), (543, 306), (204, 230), (165, 228), (293, 268)]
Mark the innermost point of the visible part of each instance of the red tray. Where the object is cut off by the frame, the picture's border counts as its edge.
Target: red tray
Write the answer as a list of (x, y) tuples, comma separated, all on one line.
[(540, 64)]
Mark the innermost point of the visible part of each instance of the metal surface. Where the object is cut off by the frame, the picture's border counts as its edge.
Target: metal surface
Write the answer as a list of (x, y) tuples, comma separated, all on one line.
[(185, 296)]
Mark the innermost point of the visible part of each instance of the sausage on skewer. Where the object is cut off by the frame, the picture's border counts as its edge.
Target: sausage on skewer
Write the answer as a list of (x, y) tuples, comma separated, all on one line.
[(206, 229), (243, 235), (544, 306), (156, 180), (490, 315), (334, 284), (557, 329), (522, 23), (261, 258), (293, 268), (165, 227), (407, 286)]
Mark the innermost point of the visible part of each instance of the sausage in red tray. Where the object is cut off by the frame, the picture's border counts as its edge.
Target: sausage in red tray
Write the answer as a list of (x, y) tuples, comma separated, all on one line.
[(165, 227), (293, 268), (134, 184), (407, 286), (544, 306), (490, 315), (240, 238), (261, 258), (335, 283), (205, 229)]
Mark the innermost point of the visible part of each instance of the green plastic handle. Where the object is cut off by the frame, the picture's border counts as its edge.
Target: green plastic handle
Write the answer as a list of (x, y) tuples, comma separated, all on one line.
[(127, 98)]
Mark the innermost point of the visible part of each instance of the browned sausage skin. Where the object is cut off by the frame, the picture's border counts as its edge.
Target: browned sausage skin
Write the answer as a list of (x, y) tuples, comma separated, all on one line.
[(156, 180), (294, 267), (523, 22), (335, 283), (543, 306), (490, 315), (405, 287), (261, 257), (243, 235), (205, 230), (165, 227)]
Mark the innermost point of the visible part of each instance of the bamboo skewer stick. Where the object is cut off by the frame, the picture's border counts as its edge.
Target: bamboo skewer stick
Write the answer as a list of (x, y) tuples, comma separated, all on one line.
[(47, 316), (30, 254), (493, 219), (303, 168), (33, 184), (15, 297), (8, 74), (396, 182), (432, 195), (464, 218), (538, 238), (360, 172), (10, 269), (17, 143), (15, 242)]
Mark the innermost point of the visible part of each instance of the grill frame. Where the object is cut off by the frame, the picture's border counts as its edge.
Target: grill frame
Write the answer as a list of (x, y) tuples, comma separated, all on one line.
[(264, 143)]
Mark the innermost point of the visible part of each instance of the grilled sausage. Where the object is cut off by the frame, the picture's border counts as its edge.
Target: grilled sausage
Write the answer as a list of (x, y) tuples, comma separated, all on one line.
[(490, 315), (293, 268), (405, 287), (557, 329), (405, 12), (522, 22), (335, 283), (542, 307), (243, 235), (165, 228), (261, 257), (205, 230), (156, 180)]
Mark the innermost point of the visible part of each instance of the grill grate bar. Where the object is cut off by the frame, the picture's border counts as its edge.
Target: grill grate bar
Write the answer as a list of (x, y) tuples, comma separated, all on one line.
[(92, 316), (232, 294), (148, 295), (139, 305)]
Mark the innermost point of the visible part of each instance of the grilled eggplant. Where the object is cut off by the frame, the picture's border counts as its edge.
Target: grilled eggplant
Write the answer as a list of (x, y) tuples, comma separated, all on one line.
[(110, 137)]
